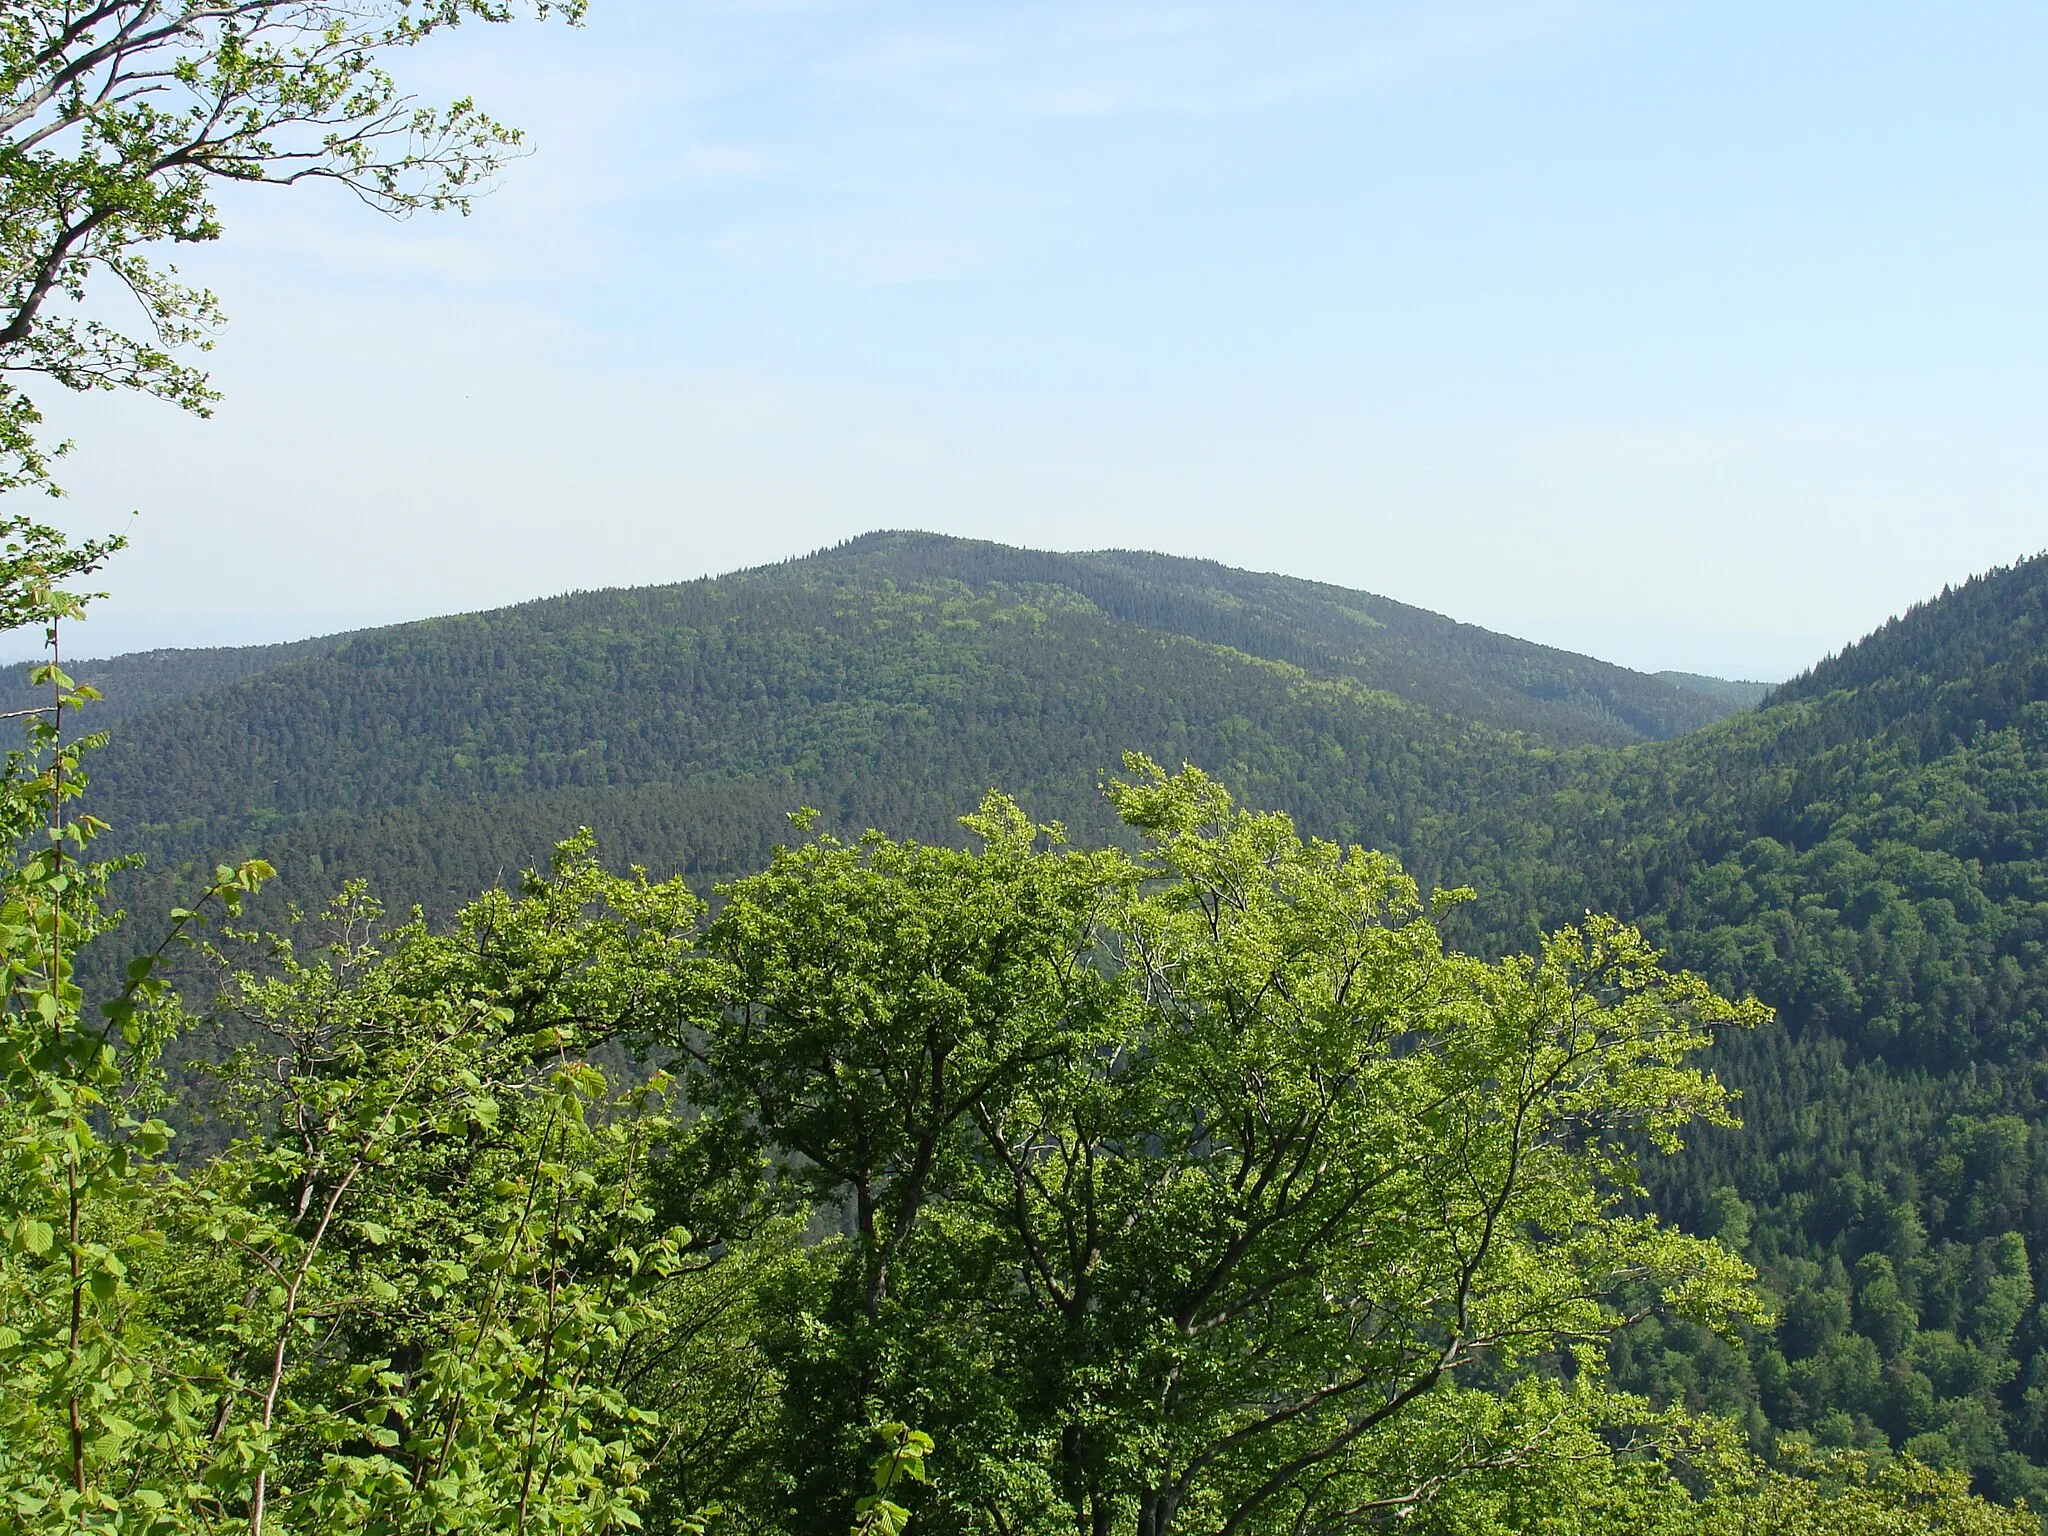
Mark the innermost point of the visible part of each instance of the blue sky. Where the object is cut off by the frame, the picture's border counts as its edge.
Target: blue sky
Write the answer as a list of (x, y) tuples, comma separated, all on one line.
[(1695, 335)]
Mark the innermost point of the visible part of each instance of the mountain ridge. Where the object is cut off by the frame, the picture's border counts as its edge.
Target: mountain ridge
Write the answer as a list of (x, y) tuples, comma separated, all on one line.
[(1141, 587)]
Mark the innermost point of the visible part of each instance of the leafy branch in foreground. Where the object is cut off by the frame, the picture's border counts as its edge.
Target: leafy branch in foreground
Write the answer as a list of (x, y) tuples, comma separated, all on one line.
[(441, 1221), (119, 117), (88, 1381), (901, 1461), (408, 1288)]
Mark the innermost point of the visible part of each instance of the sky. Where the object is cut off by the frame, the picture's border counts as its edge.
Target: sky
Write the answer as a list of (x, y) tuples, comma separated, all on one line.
[(1689, 335)]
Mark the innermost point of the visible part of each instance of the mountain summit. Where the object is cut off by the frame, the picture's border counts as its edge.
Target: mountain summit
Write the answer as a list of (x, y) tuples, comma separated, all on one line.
[(889, 680)]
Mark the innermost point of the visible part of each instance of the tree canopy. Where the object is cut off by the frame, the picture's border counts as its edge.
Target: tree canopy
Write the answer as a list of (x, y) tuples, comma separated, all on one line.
[(119, 119)]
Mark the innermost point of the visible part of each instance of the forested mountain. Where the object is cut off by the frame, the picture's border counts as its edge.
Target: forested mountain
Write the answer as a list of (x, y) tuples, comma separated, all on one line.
[(1329, 631), (889, 681), (1867, 851)]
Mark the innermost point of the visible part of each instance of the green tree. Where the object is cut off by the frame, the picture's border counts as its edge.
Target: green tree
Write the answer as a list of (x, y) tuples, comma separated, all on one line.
[(1825, 1494), (428, 1277), (1671, 1477), (440, 1221), (1336, 1170), (118, 118), (1181, 1185), (88, 1380), (867, 1004)]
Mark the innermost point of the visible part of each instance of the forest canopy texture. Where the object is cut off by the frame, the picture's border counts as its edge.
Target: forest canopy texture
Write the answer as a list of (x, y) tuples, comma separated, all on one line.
[(1117, 1157)]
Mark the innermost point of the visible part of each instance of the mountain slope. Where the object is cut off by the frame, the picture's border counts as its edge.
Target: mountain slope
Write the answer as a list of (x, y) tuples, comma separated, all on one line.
[(891, 680), (1868, 852), (1328, 631), (886, 702)]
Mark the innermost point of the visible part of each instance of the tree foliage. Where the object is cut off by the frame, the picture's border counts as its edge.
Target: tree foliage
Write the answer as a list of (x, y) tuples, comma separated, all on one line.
[(120, 118), (406, 1289), (1176, 1185)]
